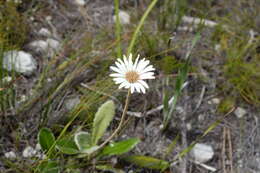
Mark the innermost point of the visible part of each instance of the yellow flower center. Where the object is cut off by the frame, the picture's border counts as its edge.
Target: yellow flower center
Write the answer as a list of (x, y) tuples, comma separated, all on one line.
[(132, 76)]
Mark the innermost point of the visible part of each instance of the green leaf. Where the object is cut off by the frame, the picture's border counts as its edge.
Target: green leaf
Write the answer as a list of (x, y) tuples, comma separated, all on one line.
[(82, 140), (148, 162), (120, 147), (102, 119), (67, 146), (109, 168), (46, 139), (49, 167)]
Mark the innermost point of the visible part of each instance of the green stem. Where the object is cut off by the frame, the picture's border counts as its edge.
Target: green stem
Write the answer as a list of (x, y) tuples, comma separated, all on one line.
[(121, 121), (149, 9)]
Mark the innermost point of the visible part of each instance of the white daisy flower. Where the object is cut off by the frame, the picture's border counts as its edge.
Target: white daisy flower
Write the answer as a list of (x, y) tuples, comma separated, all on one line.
[(129, 74)]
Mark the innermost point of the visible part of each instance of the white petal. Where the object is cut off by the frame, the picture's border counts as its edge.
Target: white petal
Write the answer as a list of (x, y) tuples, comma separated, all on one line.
[(119, 80), (143, 83), (130, 62), (124, 84), (126, 63), (121, 67), (117, 75), (115, 69), (149, 75), (147, 69), (139, 87), (132, 88), (143, 65), (136, 62), (142, 88)]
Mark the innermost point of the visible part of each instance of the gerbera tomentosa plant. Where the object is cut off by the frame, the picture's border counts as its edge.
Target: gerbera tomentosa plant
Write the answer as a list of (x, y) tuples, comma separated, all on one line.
[(130, 74)]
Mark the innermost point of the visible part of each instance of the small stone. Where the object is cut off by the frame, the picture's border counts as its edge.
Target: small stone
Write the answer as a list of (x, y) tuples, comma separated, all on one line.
[(19, 61), (48, 18), (39, 45), (188, 126), (71, 103), (29, 152), (202, 152), (215, 101), (201, 117), (10, 155), (23, 98), (218, 47), (124, 17), (54, 44), (80, 2), (240, 112), (45, 32)]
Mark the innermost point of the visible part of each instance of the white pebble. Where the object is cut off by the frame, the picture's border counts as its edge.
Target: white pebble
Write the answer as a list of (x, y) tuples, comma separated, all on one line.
[(29, 152), (124, 17), (10, 155), (19, 61), (39, 45), (71, 103), (188, 126), (44, 32), (80, 2), (240, 112), (202, 152), (54, 44)]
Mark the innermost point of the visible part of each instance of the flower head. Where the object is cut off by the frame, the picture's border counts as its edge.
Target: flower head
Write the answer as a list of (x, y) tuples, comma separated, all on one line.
[(129, 74)]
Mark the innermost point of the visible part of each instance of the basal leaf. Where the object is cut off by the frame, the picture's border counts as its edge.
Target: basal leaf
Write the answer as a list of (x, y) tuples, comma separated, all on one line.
[(102, 119), (120, 147), (49, 167), (67, 146), (109, 168), (46, 138), (147, 162), (82, 140)]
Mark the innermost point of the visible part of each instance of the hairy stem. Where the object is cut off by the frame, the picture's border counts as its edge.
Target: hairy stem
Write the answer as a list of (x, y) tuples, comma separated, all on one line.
[(121, 121)]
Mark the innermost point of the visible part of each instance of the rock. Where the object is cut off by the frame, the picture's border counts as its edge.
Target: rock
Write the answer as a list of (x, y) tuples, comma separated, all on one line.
[(19, 61), (217, 47), (10, 155), (202, 152), (124, 17), (39, 46), (240, 112), (53, 44), (44, 32), (29, 152), (215, 101), (188, 126), (71, 103), (80, 2), (23, 98)]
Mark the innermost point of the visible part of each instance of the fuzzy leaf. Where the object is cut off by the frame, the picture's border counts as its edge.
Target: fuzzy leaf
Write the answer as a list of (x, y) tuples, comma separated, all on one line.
[(49, 167), (46, 139), (82, 140), (67, 146), (102, 119), (148, 162), (120, 147), (109, 168)]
